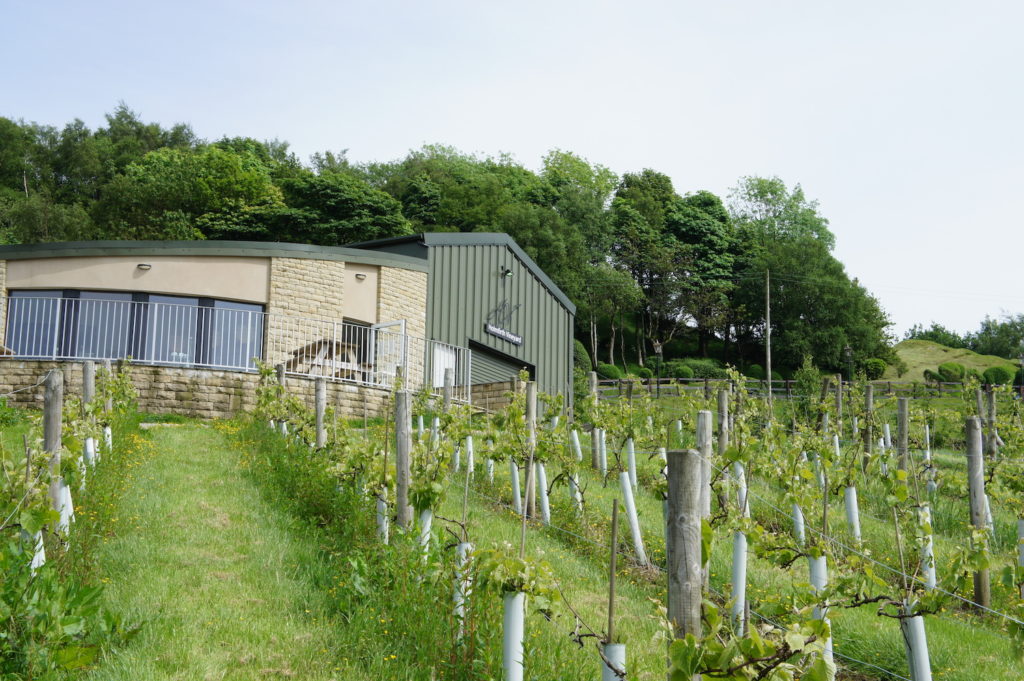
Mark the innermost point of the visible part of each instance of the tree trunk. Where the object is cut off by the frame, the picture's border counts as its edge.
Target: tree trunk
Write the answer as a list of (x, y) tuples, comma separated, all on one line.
[(593, 339), (611, 343)]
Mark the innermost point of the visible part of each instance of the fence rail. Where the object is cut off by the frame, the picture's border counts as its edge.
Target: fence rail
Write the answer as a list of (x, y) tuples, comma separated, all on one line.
[(221, 336), (668, 387)]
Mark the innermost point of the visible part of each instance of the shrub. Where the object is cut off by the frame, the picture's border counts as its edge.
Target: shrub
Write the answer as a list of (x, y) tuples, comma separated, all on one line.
[(807, 384), (643, 372), (998, 375), (930, 375), (678, 369), (874, 368), (952, 372), (755, 371), (609, 370), (706, 368), (580, 356)]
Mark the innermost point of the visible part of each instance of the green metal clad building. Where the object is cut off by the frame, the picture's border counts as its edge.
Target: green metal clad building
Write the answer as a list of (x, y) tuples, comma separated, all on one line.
[(485, 293)]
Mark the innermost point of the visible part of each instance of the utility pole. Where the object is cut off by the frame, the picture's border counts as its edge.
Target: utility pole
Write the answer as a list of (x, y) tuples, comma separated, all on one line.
[(768, 338)]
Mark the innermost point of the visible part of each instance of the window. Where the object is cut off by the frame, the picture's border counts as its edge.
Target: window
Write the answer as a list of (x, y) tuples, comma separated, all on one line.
[(171, 329), (32, 317), (150, 328)]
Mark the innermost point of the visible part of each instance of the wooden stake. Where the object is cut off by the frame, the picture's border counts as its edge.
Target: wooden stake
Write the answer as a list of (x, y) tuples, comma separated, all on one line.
[(723, 421), (88, 382), (902, 432), (685, 580), (449, 386), (53, 408), (403, 455), (531, 441), (976, 487), (869, 428), (321, 409)]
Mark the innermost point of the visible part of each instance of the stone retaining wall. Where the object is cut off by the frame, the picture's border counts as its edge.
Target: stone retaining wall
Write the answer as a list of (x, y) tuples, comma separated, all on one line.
[(491, 396), (201, 393)]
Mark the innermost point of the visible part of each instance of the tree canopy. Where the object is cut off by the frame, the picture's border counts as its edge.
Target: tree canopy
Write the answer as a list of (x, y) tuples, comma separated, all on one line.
[(648, 266)]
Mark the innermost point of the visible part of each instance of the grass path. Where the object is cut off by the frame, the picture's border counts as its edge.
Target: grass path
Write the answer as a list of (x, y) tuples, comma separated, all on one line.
[(215, 572)]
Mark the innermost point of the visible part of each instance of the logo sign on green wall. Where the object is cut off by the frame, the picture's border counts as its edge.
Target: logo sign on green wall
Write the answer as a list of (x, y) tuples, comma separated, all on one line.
[(499, 318)]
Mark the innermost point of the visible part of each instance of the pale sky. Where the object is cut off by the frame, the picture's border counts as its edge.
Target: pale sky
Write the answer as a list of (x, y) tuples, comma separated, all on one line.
[(903, 119)]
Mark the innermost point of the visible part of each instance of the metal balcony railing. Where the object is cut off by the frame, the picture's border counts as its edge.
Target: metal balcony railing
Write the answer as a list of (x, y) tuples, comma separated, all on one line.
[(214, 337)]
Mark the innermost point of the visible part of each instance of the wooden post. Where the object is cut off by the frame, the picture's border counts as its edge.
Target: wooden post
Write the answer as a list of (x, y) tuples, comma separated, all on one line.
[(531, 440), (826, 384), (976, 488), (108, 404), (902, 432), (723, 421), (321, 409), (704, 447), (53, 409), (280, 375), (88, 381), (403, 454), (595, 448), (593, 383), (992, 434), (869, 427), (685, 581), (707, 388), (449, 386), (839, 404)]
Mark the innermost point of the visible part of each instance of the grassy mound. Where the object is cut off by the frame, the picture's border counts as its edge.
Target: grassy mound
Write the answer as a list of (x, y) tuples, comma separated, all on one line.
[(922, 354)]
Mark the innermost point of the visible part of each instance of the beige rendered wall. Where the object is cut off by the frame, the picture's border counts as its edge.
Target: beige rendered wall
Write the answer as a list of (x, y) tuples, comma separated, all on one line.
[(361, 282), (230, 278)]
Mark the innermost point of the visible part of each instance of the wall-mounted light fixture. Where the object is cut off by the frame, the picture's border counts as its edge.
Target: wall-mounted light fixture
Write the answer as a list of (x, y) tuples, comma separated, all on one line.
[(360, 276), (506, 273), (144, 266)]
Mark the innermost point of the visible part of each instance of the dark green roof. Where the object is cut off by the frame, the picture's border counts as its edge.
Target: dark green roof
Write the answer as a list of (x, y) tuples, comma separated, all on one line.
[(248, 249), (430, 239)]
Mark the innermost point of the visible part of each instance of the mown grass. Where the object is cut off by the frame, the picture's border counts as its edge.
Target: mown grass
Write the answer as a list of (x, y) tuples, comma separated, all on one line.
[(223, 582)]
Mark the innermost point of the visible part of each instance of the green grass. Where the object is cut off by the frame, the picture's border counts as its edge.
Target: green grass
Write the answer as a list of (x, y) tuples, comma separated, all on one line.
[(955, 637), (217, 575), (921, 354), (244, 561)]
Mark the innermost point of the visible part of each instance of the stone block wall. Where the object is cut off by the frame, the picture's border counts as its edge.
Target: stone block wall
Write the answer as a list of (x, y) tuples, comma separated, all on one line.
[(402, 294), (200, 393), (492, 396), (306, 289)]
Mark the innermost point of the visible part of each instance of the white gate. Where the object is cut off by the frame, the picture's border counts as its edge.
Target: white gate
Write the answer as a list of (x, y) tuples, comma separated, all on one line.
[(388, 350)]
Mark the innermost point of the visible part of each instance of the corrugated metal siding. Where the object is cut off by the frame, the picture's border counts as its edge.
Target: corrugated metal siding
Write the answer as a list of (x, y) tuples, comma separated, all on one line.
[(465, 286), (490, 369)]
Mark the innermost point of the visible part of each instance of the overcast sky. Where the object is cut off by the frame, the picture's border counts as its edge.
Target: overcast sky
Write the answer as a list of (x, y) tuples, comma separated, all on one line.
[(903, 119)]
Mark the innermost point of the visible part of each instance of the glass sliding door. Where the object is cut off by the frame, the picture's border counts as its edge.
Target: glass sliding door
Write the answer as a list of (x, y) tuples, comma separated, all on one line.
[(104, 325), (33, 323), (231, 334), (171, 330)]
